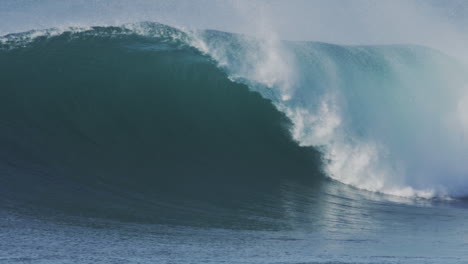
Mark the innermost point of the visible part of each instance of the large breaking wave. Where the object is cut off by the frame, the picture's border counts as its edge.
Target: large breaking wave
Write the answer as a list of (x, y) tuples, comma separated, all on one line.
[(135, 110)]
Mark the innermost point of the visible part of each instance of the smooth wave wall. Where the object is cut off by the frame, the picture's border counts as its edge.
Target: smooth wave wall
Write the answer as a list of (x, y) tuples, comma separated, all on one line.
[(110, 122)]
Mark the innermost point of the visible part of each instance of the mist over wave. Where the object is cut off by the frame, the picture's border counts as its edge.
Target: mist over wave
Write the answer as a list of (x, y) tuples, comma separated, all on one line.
[(387, 118)]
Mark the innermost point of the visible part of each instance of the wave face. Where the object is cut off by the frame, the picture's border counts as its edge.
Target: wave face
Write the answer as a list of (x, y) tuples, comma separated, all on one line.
[(109, 121), (140, 111)]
